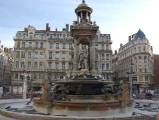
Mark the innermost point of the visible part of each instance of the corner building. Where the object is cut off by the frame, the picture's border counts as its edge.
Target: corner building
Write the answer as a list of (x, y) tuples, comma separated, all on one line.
[(135, 62), (49, 54)]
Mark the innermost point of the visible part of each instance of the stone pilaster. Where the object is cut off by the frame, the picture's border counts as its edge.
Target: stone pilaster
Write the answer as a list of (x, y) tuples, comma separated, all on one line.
[(92, 58), (75, 59)]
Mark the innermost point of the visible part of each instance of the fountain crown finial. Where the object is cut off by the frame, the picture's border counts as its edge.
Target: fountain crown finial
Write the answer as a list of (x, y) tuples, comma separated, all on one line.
[(83, 1)]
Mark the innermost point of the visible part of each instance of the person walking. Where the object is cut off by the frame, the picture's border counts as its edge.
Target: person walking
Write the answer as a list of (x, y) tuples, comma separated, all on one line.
[(31, 96)]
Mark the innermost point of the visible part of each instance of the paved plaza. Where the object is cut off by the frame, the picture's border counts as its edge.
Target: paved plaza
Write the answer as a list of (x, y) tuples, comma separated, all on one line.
[(4, 118), (8, 101)]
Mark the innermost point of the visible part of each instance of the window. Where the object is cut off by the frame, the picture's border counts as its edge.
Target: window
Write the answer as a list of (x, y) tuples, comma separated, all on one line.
[(50, 55), (107, 56), (102, 56), (139, 49), (41, 45), (103, 66), (64, 46), (145, 59), (57, 52), (17, 54), (103, 46), (22, 65), (17, 64), (35, 64), (56, 65), (41, 53), (146, 78), (107, 66), (16, 76), (18, 44), (140, 57), (35, 76), (70, 46), (107, 47), (37, 45), (51, 46), (63, 65), (144, 49), (41, 64), (70, 66), (56, 59), (21, 77), (57, 45), (41, 76), (57, 35), (107, 76), (30, 44), (29, 64), (29, 54), (49, 65), (36, 53), (23, 44), (135, 50), (22, 54), (96, 65)]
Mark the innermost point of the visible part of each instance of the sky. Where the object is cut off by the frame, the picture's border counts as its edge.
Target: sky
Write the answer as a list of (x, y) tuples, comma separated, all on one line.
[(120, 18)]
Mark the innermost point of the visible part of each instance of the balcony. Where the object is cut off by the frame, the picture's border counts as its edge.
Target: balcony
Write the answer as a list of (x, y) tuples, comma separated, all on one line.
[(57, 70)]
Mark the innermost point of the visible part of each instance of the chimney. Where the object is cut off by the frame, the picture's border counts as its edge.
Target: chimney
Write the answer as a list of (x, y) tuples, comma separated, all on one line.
[(64, 29), (67, 27), (47, 27), (116, 52), (121, 45), (129, 38), (25, 29)]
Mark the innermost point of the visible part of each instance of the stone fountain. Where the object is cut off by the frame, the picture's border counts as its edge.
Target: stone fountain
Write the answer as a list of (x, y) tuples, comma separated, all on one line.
[(83, 94), (84, 90)]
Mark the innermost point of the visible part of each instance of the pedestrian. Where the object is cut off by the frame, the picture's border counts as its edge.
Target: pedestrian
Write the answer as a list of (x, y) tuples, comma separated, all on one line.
[(31, 96)]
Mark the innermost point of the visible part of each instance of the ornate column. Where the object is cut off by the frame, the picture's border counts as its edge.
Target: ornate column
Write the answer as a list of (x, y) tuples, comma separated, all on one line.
[(89, 17), (92, 58), (75, 57)]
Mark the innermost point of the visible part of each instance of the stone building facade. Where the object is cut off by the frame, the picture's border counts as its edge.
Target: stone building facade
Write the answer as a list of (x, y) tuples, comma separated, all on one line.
[(48, 55), (2, 62), (5, 69), (135, 61), (156, 71)]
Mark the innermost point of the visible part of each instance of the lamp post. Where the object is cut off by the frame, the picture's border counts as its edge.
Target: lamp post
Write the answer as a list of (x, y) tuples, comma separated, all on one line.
[(130, 74), (25, 87), (25, 84)]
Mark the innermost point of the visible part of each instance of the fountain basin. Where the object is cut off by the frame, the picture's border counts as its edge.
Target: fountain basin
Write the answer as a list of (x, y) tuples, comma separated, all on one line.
[(111, 114), (73, 106)]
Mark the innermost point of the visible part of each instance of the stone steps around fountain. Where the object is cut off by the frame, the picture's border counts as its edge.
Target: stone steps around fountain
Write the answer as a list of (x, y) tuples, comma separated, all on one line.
[(21, 116)]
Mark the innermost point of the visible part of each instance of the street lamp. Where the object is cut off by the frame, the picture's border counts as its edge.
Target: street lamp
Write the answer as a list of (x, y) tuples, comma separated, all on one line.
[(131, 83), (25, 83), (130, 74)]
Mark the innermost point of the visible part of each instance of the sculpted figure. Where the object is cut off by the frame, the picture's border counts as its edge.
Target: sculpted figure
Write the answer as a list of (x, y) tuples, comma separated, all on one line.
[(83, 57)]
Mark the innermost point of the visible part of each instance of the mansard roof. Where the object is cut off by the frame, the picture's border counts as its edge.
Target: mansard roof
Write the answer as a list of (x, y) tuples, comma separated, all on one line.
[(140, 34)]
